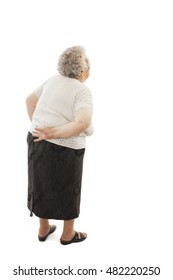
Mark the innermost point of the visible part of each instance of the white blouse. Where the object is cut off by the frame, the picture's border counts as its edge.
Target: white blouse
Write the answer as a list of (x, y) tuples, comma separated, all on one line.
[(60, 98)]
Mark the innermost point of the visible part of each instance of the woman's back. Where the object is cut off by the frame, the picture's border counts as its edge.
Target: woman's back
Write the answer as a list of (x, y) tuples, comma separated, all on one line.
[(60, 98)]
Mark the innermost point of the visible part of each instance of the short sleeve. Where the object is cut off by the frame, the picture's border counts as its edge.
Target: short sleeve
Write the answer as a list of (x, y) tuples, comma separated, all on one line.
[(84, 100), (39, 90)]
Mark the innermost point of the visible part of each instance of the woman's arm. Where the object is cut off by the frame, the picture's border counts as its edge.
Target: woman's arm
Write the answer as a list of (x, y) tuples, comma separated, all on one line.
[(89, 131), (31, 102), (80, 124)]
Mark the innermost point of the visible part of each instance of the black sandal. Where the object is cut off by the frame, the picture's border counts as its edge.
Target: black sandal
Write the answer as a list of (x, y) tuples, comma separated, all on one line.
[(78, 237), (51, 230)]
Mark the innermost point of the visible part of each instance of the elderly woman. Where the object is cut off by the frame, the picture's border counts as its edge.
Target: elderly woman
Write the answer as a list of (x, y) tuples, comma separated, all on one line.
[(60, 111)]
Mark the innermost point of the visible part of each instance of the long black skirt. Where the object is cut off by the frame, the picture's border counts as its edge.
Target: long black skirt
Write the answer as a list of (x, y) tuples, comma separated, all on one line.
[(54, 180)]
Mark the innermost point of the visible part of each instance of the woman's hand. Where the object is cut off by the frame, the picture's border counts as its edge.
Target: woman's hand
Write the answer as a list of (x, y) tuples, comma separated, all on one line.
[(80, 124), (44, 133)]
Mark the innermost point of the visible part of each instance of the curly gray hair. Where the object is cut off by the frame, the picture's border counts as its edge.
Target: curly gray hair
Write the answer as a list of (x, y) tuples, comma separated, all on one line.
[(71, 62)]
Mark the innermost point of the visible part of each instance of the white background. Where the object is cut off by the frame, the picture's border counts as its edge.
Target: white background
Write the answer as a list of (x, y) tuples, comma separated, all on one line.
[(126, 206)]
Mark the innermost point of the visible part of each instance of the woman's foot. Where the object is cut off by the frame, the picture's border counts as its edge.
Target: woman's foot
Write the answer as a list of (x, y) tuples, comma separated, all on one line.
[(47, 232), (43, 231), (76, 237)]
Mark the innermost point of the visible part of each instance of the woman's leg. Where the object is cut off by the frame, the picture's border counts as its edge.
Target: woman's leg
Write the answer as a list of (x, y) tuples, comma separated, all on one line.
[(44, 227), (68, 230)]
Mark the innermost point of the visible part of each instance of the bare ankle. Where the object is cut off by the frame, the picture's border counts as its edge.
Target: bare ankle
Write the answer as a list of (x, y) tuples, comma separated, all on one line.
[(68, 235)]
